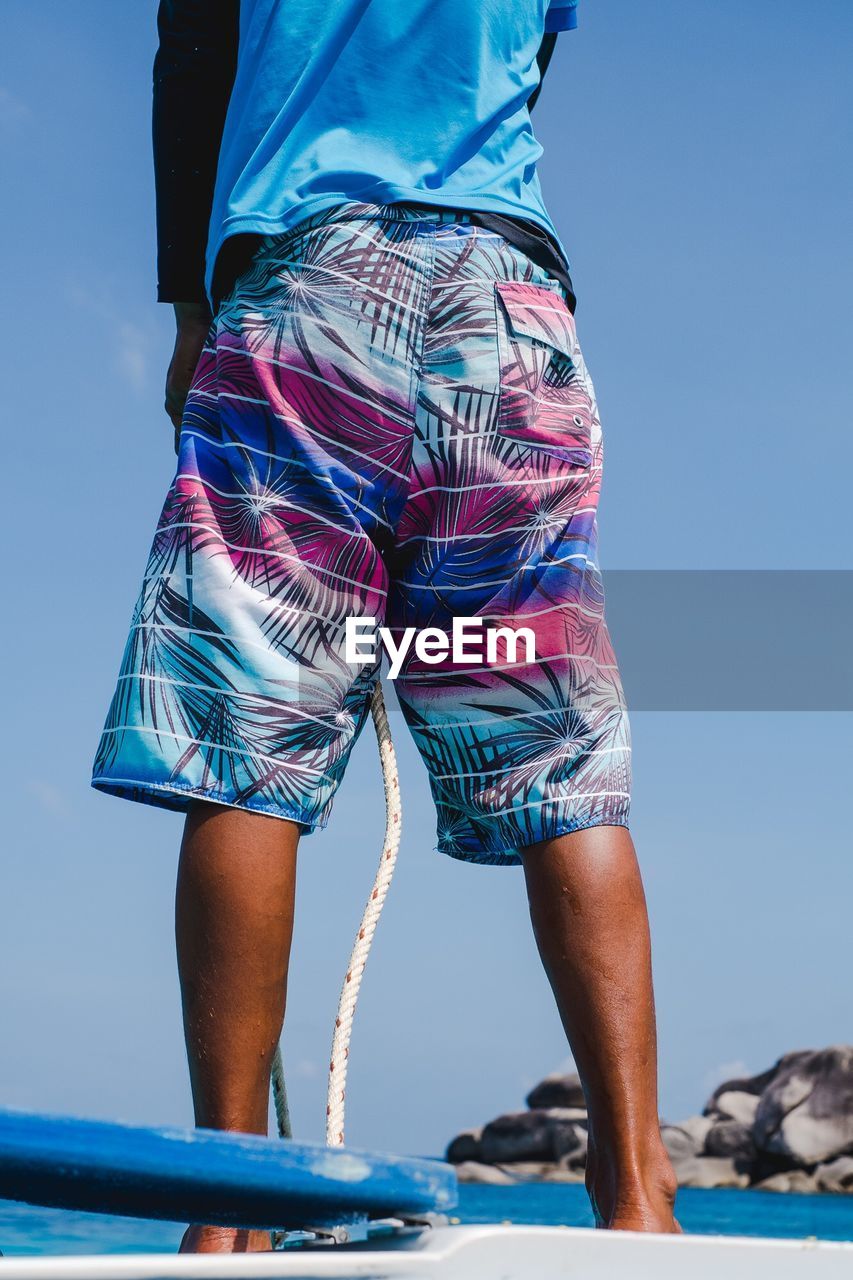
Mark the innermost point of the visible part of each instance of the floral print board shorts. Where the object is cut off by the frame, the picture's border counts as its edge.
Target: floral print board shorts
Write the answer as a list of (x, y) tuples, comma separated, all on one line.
[(391, 419)]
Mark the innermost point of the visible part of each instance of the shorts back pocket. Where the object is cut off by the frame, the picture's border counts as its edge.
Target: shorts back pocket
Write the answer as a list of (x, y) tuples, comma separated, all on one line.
[(543, 403)]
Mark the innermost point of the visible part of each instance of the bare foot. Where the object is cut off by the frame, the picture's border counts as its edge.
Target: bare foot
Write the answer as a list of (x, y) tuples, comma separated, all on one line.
[(645, 1202), (644, 1217), (224, 1240)]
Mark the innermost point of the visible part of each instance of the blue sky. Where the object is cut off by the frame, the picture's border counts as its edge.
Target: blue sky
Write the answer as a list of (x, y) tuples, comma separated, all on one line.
[(698, 165)]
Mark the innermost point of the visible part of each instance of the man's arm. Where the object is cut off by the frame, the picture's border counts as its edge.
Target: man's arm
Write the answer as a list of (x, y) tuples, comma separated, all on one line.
[(561, 15), (543, 57), (193, 76)]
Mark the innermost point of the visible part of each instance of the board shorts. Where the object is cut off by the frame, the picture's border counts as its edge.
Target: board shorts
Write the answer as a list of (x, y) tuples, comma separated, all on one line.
[(391, 419)]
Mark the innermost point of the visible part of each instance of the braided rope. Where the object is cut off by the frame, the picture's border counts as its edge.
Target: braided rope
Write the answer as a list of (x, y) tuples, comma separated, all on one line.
[(336, 1099), (279, 1096)]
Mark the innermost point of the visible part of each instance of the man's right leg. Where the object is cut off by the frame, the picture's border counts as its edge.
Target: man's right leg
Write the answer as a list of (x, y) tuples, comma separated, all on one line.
[(233, 926), (589, 916)]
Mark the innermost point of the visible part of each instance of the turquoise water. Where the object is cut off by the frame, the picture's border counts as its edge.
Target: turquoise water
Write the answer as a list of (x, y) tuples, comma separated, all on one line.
[(26, 1230)]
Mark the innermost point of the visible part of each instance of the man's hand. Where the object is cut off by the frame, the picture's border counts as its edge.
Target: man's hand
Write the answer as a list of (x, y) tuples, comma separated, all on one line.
[(193, 322)]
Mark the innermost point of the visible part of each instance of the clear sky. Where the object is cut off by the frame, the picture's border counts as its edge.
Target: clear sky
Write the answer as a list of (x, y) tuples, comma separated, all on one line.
[(698, 165)]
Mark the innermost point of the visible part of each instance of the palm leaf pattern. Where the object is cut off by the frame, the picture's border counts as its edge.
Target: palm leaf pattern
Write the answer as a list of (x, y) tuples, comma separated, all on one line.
[(391, 418)]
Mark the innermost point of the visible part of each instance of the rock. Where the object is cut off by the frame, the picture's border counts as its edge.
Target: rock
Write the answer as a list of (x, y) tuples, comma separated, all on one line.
[(835, 1176), (541, 1171), (562, 1173), (735, 1104), (730, 1138), (791, 1180), (789, 1129), (557, 1091), (687, 1138), (743, 1084), (577, 1117), (472, 1171), (576, 1159), (766, 1166), (806, 1111), (570, 1141), (465, 1146), (695, 1166), (696, 1127), (529, 1135), (709, 1171)]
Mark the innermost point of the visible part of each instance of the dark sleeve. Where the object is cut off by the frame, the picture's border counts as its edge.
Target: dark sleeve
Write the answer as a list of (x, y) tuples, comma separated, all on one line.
[(543, 57), (193, 76)]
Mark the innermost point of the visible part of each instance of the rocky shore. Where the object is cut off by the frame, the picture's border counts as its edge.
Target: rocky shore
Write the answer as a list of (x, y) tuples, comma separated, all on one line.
[(789, 1128)]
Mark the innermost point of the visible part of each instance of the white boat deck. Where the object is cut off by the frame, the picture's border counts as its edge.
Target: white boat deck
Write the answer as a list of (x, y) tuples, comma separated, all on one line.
[(480, 1253)]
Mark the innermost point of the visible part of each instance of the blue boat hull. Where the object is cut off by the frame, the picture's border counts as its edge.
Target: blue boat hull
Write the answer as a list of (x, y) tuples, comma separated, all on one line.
[(207, 1176)]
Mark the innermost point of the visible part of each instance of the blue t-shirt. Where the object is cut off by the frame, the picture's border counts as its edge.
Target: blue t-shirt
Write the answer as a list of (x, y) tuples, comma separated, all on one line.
[(381, 101)]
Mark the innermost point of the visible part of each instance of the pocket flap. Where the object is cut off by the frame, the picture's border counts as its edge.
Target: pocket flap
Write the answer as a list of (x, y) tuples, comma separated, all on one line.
[(533, 311)]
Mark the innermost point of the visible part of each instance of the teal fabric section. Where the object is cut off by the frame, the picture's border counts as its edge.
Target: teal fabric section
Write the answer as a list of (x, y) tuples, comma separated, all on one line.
[(562, 15), (383, 102)]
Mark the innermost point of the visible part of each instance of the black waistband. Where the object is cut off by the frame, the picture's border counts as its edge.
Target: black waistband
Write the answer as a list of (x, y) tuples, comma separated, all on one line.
[(236, 253)]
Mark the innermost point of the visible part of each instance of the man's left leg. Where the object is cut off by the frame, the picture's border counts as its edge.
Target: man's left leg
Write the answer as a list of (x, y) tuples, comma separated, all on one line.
[(234, 909)]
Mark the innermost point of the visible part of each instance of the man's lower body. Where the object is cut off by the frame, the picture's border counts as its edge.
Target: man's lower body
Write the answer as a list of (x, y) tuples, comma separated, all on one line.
[(392, 420)]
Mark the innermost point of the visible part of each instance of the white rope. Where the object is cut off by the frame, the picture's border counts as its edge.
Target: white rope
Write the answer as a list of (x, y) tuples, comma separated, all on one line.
[(279, 1096), (336, 1099)]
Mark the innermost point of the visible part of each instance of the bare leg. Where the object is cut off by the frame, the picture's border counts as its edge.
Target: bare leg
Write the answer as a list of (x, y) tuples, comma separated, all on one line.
[(589, 916), (233, 926)]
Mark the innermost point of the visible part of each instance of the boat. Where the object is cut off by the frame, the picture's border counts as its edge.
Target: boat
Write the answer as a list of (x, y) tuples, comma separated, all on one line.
[(335, 1212)]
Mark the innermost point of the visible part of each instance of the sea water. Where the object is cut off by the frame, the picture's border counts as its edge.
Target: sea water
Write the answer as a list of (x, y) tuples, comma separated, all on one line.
[(27, 1230)]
